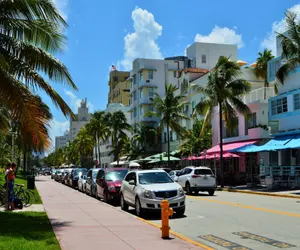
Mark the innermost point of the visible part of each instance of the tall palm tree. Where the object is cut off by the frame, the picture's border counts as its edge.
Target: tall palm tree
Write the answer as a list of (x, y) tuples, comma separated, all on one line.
[(85, 146), (118, 124), (290, 47), (169, 110), (31, 30), (99, 129), (261, 68), (224, 89)]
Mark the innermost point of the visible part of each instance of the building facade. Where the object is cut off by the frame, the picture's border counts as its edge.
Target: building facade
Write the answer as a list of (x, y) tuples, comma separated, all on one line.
[(105, 148), (119, 87), (62, 141)]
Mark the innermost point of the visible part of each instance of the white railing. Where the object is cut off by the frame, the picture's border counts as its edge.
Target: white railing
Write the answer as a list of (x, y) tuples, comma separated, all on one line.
[(258, 95)]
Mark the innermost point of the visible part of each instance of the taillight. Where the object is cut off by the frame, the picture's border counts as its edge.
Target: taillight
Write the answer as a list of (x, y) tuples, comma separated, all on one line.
[(195, 176)]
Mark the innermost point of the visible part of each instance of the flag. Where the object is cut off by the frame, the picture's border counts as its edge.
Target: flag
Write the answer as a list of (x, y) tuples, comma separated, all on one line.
[(113, 67)]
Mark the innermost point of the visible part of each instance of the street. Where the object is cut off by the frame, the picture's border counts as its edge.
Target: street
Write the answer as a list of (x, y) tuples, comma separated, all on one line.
[(240, 221)]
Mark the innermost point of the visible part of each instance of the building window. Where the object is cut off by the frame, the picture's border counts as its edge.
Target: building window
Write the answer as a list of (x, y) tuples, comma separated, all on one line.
[(115, 78), (134, 95), (193, 106), (150, 74), (165, 137), (151, 107), (134, 79), (297, 101), (141, 93), (141, 110), (279, 106), (150, 91), (174, 73), (203, 58), (134, 112), (141, 76), (252, 120)]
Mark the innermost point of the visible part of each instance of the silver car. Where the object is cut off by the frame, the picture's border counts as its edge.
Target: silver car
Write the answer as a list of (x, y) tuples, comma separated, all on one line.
[(174, 173), (81, 182)]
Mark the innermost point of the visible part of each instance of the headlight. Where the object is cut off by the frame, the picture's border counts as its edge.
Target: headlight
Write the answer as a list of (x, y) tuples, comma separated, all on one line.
[(148, 194), (181, 192), (111, 188)]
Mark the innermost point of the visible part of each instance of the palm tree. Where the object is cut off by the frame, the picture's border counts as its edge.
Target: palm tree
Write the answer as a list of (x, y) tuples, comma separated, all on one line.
[(169, 110), (261, 68), (224, 89), (31, 30), (290, 47), (85, 146), (99, 129), (118, 124)]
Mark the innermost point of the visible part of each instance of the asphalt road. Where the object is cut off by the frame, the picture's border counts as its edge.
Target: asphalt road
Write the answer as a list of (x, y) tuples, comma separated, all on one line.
[(240, 221)]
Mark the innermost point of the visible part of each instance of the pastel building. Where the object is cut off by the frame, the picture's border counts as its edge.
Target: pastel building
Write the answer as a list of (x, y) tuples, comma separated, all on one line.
[(119, 87), (62, 141)]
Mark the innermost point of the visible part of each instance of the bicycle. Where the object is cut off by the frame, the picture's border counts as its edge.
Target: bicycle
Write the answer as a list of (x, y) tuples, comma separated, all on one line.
[(25, 195)]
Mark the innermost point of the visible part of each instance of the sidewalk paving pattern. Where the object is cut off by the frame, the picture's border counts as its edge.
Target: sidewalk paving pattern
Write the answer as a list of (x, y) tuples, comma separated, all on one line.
[(80, 222)]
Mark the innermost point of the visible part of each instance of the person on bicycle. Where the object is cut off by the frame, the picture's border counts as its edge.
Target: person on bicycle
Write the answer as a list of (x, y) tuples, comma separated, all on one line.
[(10, 185)]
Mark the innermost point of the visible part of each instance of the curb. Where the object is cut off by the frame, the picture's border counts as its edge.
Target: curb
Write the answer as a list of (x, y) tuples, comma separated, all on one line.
[(180, 236), (259, 193)]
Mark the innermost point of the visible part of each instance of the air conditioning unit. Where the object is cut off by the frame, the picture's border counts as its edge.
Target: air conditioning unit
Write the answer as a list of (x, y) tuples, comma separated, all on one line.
[(147, 81)]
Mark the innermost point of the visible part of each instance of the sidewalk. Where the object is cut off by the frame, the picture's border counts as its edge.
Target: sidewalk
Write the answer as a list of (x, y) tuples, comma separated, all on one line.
[(81, 222)]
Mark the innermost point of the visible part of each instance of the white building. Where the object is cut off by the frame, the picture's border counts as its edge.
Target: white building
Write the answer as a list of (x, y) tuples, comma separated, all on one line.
[(105, 147), (61, 141), (80, 120)]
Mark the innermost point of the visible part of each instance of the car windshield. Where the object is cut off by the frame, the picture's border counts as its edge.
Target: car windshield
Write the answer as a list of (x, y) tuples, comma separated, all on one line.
[(154, 178), (117, 175), (203, 171), (79, 170)]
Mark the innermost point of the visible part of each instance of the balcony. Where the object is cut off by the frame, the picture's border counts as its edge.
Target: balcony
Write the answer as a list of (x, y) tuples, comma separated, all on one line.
[(273, 66), (147, 84), (132, 105), (258, 95), (149, 119), (146, 100)]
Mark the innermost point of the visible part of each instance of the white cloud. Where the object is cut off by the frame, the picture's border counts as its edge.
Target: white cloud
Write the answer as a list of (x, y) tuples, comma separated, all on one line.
[(222, 35), (57, 129), (142, 42), (277, 27), (75, 102), (62, 7)]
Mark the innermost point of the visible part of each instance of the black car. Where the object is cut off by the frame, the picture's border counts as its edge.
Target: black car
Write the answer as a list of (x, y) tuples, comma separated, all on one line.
[(74, 176)]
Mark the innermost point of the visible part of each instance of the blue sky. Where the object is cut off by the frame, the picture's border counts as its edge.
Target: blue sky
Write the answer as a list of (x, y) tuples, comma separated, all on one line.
[(102, 33)]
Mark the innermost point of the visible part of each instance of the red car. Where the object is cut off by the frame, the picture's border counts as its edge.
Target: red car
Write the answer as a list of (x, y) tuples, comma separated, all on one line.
[(108, 183)]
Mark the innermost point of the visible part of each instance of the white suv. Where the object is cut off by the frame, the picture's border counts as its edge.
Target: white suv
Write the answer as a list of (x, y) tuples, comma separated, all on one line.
[(145, 189), (195, 179)]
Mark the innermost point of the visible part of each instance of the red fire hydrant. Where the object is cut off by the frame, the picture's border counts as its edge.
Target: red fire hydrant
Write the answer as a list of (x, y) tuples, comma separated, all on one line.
[(166, 212)]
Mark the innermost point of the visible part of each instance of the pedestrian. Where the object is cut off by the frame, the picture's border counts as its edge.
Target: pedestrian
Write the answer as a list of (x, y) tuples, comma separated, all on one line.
[(10, 186), (6, 172)]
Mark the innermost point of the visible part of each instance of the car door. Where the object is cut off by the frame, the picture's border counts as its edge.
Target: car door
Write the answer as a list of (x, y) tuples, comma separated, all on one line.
[(128, 190), (89, 181), (180, 177), (100, 183)]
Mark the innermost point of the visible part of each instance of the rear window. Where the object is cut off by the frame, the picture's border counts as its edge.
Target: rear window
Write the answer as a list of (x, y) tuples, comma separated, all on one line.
[(203, 171)]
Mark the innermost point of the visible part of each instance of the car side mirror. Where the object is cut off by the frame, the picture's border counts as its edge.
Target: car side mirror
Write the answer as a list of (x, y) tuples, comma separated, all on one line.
[(131, 182)]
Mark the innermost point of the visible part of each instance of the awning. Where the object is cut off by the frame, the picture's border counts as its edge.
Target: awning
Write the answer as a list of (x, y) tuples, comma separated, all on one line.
[(277, 143), (230, 146), (294, 143)]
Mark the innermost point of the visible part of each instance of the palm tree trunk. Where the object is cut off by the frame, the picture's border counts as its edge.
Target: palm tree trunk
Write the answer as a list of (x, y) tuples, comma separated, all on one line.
[(265, 89), (99, 153), (168, 138), (221, 145), (24, 159)]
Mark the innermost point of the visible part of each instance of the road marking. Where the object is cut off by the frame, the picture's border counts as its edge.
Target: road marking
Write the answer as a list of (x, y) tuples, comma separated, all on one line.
[(223, 243), (246, 206), (274, 243)]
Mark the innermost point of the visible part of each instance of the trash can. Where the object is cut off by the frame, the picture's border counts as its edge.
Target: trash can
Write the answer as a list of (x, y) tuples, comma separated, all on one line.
[(30, 182)]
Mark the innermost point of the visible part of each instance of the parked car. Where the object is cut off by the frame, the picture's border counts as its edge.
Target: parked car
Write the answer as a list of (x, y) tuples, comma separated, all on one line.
[(168, 170), (108, 183), (195, 179), (174, 173), (74, 175), (58, 175), (65, 178), (82, 181), (53, 171), (145, 189), (90, 184)]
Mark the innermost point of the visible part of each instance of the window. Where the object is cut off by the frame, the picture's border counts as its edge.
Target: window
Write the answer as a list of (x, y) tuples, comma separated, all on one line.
[(203, 172), (115, 175), (187, 171), (141, 76), (134, 112), (134, 79), (141, 93), (203, 58), (150, 91), (100, 174), (115, 78), (154, 178), (150, 74), (171, 135), (134, 95), (151, 107), (165, 137), (297, 101), (130, 176), (279, 106), (141, 110), (174, 73), (193, 106), (252, 120)]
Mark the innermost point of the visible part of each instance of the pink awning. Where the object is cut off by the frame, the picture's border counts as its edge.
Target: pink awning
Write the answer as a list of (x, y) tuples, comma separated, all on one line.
[(225, 155), (229, 146)]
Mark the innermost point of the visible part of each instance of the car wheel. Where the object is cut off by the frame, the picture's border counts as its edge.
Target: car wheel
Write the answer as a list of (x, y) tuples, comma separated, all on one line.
[(124, 205), (180, 212), (188, 188), (138, 208), (211, 192)]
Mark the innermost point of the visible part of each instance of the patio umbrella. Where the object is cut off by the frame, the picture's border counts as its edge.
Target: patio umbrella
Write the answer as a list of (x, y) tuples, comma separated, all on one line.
[(152, 157), (115, 163), (164, 159), (241, 63), (134, 164)]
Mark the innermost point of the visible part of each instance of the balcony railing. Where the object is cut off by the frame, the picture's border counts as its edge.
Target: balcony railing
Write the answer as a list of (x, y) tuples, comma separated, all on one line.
[(273, 66), (147, 83), (258, 95), (146, 100)]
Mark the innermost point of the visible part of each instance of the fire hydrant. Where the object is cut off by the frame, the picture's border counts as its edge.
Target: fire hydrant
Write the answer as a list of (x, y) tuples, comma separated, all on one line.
[(166, 211)]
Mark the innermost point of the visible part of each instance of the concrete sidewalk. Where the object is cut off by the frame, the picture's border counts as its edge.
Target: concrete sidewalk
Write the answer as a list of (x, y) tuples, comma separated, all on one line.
[(82, 222)]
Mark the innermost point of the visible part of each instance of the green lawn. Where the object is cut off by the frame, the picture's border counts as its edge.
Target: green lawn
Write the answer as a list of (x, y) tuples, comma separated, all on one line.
[(23, 180), (26, 231)]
